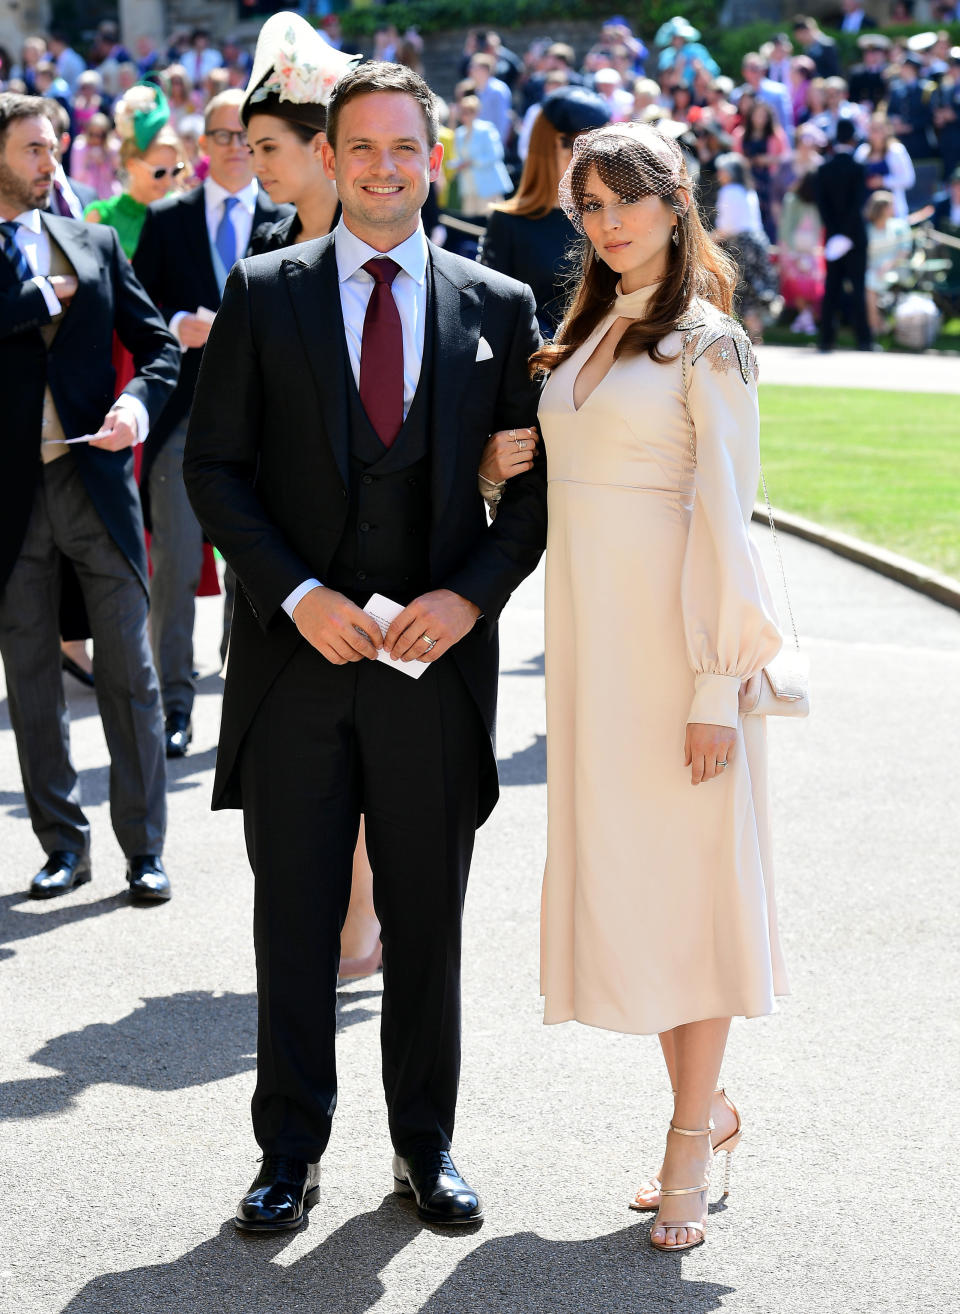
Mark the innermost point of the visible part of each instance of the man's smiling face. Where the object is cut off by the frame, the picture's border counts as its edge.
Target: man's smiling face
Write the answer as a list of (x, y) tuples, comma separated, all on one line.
[(383, 165)]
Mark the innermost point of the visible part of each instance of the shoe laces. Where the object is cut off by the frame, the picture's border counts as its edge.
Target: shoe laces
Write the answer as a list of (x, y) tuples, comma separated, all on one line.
[(284, 1167), (436, 1161)]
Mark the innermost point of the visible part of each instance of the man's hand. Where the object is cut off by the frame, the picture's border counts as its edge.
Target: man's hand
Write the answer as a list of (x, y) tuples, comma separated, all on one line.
[(64, 287), (331, 623), (118, 431), (441, 615), (193, 331)]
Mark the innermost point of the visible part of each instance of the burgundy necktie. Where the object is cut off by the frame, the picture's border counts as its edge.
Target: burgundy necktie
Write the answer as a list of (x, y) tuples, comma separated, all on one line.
[(381, 354)]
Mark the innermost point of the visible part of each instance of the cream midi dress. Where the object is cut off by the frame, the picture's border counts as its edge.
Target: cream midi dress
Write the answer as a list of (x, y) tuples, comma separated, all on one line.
[(658, 905)]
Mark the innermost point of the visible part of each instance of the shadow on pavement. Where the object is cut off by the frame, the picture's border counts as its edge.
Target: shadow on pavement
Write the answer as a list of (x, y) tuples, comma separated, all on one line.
[(613, 1274), (520, 1274), (232, 1273), (528, 767), (167, 1043), (535, 666), (19, 924)]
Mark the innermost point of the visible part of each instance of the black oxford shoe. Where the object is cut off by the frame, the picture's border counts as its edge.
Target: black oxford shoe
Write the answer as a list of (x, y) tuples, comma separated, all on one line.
[(442, 1195), (178, 733), (279, 1194), (148, 881), (61, 872)]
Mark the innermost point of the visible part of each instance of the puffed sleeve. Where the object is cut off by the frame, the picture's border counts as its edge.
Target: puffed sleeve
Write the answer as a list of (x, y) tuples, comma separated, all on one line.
[(729, 619)]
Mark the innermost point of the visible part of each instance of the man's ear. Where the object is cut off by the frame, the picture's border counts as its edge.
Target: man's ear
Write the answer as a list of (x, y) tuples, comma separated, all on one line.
[(436, 161), (329, 158)]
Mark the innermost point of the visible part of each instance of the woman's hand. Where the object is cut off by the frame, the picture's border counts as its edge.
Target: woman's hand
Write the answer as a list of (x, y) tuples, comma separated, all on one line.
[(508, 452), (708, 749)]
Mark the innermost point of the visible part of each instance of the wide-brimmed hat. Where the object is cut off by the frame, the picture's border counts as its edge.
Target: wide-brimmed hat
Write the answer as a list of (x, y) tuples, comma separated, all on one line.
[(575, 109), (675, 27), (921, 41), (294, 72), (874, 41)]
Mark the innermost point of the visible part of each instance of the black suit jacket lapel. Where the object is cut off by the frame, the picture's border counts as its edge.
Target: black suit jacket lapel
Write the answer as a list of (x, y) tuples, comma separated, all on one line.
[(314, 290), (457, 313), (196, 247)]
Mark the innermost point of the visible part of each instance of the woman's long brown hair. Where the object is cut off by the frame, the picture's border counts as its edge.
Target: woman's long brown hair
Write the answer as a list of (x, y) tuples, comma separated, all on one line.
[(536, 193), (696, 267)]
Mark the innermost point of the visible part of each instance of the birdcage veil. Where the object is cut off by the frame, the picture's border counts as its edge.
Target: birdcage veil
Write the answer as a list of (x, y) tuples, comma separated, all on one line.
[(633, 159)]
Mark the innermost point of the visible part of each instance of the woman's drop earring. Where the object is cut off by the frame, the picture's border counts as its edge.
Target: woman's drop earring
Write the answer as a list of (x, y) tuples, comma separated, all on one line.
[(676, 235)]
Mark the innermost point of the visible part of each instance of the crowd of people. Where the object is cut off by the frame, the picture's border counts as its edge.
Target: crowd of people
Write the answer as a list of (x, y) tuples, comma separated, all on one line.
[(755, 138)]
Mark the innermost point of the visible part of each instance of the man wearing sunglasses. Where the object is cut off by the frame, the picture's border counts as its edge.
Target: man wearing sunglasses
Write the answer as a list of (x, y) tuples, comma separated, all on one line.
[(188, 245)]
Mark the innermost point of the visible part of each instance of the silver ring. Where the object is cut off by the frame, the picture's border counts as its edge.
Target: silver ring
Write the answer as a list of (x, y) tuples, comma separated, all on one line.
[(520, 443), (431, 643), (722, 764)]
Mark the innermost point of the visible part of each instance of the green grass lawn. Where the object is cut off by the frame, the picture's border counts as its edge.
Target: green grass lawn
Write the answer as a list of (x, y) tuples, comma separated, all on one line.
[(884, 466)]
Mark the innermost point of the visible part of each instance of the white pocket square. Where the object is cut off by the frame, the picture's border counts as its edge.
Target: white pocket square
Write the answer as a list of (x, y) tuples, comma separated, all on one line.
[(484, 351)]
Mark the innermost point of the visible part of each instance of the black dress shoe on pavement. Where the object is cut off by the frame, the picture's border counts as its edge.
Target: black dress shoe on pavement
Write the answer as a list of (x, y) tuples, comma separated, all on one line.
[(281, 1191), (442, 1195), (178, 733), (148, 881), (62, 871)]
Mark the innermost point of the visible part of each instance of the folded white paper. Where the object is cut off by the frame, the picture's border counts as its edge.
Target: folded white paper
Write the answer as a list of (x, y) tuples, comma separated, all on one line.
[(205, 315), (383, 611)]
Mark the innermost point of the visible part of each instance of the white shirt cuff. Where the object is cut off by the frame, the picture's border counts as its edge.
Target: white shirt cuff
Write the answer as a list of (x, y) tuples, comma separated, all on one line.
[(716, 700), (140, 411), (174, 326), (49, 296), (301, 591)]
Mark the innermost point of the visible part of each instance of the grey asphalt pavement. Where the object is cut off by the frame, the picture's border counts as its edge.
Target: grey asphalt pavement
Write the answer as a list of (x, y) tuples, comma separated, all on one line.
[(128, 1034)]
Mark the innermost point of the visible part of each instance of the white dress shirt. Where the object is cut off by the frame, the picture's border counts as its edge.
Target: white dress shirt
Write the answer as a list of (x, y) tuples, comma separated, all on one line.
[(409, 289), (31, 237), (241, 216)]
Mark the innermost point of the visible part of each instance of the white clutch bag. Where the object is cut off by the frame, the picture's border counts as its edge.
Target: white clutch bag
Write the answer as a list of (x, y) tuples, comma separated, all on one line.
[(782, 688)]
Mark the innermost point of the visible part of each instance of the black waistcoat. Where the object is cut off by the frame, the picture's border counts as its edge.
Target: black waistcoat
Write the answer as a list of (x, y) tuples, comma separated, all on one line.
[(385, 546)]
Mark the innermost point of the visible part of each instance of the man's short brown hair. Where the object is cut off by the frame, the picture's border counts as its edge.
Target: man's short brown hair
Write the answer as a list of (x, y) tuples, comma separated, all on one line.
[(15, 106), (378, 75)]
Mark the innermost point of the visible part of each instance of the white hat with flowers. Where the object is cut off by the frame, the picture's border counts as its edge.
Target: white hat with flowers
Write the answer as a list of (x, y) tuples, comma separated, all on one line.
[(294, 72)]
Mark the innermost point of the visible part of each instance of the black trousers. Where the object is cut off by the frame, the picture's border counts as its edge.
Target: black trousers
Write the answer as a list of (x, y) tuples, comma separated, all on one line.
[(852, 269), (328, 744)]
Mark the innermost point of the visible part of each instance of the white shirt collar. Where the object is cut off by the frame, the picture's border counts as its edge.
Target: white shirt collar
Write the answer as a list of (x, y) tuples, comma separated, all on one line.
[(352, 252), (30, 219), (215, 195)]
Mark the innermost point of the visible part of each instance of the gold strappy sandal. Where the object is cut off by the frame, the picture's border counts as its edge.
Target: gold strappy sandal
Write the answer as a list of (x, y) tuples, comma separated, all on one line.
[(695, 1226), (727, 1145)]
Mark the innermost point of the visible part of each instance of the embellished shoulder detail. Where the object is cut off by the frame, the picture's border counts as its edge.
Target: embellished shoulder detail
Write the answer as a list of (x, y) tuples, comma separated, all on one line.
[(708, 332)]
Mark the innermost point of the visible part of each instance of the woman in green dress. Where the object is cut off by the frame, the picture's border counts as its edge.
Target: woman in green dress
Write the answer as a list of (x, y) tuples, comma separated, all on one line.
[(151, 160)]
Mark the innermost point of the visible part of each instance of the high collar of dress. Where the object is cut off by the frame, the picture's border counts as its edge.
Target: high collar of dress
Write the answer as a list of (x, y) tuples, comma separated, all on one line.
[(633, 305)]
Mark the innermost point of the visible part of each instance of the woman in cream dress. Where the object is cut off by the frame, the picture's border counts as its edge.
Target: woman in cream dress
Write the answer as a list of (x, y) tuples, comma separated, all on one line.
[(658, 911)]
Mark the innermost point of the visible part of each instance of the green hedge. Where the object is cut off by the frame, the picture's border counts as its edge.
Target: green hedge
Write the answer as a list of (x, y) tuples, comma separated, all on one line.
[(444, 15), (729, 45)]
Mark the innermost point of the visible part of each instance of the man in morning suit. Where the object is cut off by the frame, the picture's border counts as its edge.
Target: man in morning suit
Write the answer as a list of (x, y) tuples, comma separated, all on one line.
[(841, 190), (188, 245), (347, 390), (65, 286)]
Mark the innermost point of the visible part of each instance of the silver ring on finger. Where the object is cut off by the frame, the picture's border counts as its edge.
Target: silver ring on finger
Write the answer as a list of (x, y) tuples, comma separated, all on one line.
[(723, 764), (431, 643), (519, 441)]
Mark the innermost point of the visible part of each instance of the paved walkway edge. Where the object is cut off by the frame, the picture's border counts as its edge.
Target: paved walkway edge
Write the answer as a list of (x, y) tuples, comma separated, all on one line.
[(902, 569)]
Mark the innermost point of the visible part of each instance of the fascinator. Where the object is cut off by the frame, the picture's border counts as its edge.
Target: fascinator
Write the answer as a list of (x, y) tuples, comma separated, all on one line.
[(294, 72), (140, 114), (632, 159)]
